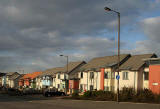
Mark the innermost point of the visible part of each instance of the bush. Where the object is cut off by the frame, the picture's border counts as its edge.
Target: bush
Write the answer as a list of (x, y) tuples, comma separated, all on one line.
[(157, 98), (99, 95), (145, 95), (87, 94), (126, 94), (75, 95)]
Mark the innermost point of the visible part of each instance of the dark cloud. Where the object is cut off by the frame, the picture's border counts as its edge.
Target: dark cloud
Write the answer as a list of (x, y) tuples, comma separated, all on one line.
[(34, 32)]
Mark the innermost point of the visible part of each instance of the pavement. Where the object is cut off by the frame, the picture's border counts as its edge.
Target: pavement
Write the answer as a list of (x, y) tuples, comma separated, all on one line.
[(40, 102)]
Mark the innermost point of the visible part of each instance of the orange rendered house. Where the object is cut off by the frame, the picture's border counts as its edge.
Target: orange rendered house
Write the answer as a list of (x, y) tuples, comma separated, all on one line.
[(28, 80), (154, 78)]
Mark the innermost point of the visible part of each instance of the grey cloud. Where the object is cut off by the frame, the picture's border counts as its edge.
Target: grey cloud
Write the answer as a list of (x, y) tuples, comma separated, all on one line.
[(34, 32)]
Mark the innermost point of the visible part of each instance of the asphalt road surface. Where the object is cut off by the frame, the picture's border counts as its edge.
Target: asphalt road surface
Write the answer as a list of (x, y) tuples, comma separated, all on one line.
[(40, 102)]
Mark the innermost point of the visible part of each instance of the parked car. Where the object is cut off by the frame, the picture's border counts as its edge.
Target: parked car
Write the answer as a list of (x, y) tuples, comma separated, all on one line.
[(53, 93)]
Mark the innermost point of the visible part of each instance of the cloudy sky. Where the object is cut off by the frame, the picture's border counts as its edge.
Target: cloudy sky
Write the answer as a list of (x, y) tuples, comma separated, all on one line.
[(33, 33)]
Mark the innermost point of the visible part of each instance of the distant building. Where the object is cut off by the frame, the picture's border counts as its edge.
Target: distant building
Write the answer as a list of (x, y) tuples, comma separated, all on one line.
[(1, 78), (6, 79), (60, 79), (29, 80)]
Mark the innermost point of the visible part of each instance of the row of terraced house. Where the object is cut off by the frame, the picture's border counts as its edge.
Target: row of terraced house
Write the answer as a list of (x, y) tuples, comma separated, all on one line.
[(136, 71)]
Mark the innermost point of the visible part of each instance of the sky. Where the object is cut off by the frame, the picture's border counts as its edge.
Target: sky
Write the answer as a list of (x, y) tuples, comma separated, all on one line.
[(33, 33)]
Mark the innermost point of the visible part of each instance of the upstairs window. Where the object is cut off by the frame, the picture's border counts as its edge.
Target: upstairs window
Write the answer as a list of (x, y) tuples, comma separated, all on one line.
[(81, 74), (91, 75), (58, 76), (125, 75), (58, 85), (107, 75)]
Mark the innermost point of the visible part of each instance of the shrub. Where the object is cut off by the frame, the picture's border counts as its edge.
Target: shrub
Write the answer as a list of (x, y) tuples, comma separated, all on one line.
[(145, 95), (99, 95), (87, 94), (157, 98), (126, 94), (75, 95)]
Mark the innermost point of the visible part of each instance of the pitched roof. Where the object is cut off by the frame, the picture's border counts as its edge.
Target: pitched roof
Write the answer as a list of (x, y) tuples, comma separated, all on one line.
[(106, 61), (71, 66), (31, 75), (10, 73), (135, 62), (13, 77), (51, 72), (2, 74)]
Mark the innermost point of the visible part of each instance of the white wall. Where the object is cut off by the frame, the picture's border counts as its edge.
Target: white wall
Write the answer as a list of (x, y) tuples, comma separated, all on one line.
[(59, 81), (132, 81), (86, 81)]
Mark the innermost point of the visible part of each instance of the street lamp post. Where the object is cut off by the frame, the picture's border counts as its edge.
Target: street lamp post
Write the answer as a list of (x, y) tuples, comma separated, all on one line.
[(108, 9), (67, 73)]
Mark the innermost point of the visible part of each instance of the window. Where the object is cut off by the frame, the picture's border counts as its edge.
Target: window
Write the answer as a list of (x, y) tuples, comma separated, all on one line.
[(106, 88), (63, 85), (112, 88), (91, 75), (81, 74), (64, 76), (125, 75), (146, 75), (107, 75), (91, 87), (58, 76), (58, 86), (112, 75)]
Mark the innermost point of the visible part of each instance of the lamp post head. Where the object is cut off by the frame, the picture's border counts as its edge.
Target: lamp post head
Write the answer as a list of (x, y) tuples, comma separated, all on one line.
[(107, 9), (61, 55)]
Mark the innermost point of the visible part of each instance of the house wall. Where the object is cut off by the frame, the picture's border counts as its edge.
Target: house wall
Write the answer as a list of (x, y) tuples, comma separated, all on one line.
[(83, 81), (21, 83), (26, 82), (38, 83), (60, 81), (154, 78), (4, 80), (132, 81), (145, 82), (0, 81), (110, 82), (140, 78), (86, 81), (45, 81)]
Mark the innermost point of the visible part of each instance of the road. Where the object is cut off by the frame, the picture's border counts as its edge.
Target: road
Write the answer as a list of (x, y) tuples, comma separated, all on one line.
[(40, 102)]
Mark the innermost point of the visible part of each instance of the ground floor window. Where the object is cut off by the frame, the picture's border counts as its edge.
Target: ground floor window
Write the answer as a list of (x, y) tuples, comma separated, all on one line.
[(63, 85), (106, 88), (146, 75), (58, 85), (112, 88)]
